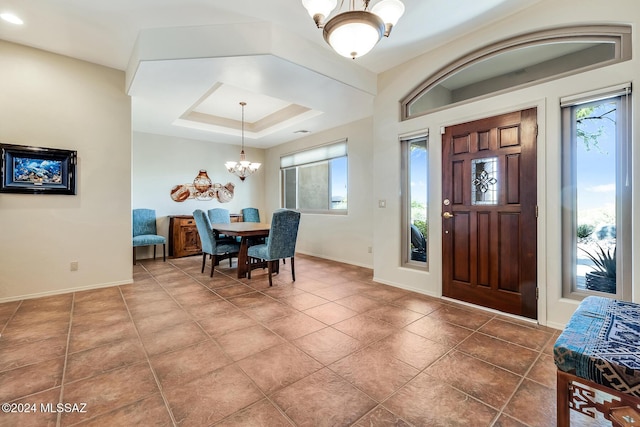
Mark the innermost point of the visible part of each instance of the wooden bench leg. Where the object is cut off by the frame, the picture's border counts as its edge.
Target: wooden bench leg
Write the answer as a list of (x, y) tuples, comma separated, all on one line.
[(578, 394), (563, 399)]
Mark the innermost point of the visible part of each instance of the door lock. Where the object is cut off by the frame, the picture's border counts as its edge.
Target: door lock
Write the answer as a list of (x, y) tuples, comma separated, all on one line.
[(447, 215)]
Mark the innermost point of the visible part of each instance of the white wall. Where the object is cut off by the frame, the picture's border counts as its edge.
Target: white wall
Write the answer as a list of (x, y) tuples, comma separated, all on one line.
[(345, 238), (54, 101), (395, 84), (161, 162)]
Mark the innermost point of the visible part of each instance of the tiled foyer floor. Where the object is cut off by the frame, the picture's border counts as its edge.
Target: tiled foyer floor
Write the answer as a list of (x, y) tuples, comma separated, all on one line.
[(332, 349)]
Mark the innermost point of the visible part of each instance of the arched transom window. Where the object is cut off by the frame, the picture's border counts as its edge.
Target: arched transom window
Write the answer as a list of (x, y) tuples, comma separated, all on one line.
[(517, 62)]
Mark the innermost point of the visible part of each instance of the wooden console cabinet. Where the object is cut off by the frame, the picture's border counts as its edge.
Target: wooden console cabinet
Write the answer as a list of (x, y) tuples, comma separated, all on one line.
[(184, 239), (183, 236)]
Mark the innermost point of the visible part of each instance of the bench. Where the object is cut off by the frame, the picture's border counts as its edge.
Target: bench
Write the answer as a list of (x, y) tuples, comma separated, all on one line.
[(598, 361)]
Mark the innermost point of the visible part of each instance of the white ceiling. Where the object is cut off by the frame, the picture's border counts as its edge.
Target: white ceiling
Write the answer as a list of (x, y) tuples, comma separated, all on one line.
[(266, 52)]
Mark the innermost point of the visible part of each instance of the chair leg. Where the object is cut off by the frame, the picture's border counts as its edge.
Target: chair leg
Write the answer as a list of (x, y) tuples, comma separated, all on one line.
[(154, 252), (204, 261), (134, 255), (230, 261), (270, 268), (293, 270), (249, 269), (164, 253), (213, 264)]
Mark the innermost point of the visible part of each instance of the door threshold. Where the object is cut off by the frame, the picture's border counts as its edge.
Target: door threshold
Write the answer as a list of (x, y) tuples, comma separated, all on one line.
[(491, 310)]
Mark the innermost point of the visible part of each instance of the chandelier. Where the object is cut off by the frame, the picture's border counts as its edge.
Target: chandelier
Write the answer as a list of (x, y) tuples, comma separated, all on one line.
[(355, 32), (243, 168)]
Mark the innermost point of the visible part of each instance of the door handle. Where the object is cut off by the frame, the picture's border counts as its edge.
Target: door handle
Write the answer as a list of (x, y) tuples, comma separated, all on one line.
[(447, 215)]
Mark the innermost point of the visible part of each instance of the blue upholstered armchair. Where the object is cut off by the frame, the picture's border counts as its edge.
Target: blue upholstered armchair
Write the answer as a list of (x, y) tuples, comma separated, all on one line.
[(210, 245), (281, 242), (145, 233), (250, 215)]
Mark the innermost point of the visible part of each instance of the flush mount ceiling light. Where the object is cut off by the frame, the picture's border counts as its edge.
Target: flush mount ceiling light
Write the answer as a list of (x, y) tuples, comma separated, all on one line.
[(355, 32), (243, 168)]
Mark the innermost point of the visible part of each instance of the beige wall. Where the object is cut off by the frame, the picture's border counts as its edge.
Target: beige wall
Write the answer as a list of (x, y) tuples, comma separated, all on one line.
[(395, 84), (54, 101), (344, 238), (160, 162)]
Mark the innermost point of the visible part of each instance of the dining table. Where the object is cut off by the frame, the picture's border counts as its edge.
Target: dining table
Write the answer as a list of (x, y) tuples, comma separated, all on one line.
[(246, 231)]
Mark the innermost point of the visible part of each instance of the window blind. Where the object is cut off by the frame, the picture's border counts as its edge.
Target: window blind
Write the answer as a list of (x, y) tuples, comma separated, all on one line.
[(317, 154)]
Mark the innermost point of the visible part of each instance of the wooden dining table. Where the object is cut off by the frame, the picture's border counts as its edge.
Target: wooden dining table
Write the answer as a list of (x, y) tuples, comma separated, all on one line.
[(245, 230)]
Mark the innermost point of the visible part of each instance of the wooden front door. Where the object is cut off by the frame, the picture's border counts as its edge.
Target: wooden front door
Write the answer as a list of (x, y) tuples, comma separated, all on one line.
[(489, 212)]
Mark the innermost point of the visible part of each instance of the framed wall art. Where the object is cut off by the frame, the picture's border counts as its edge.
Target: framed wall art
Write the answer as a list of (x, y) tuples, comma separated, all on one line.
[(37, 170)]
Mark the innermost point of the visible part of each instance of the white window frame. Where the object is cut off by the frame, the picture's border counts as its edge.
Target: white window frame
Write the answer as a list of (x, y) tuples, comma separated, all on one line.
[(405, 223), (308, 157), (623, 192)]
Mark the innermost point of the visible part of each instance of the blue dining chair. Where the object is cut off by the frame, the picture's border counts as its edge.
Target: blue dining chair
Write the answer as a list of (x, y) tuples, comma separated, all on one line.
[(211, 246), (145, 232), (221, 216), (281, 242), (250, 215)]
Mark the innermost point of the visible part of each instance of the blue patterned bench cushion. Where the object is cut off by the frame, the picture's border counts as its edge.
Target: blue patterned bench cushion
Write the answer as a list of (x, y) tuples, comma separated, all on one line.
[(601, 343)]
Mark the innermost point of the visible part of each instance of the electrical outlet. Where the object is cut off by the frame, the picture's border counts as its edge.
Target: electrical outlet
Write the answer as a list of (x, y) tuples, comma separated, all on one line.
[(370, 249), (73, 266), (382, 203)]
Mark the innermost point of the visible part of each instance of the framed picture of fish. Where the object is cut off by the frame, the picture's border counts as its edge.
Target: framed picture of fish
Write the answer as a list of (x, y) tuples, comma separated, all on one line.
[(37, 170)]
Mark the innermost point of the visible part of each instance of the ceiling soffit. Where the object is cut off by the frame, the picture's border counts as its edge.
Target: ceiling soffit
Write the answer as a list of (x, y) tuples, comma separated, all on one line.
[(245, 39), (174, 73)]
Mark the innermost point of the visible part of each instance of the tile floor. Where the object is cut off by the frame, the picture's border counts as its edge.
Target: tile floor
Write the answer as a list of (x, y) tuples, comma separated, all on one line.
[(332, 349)]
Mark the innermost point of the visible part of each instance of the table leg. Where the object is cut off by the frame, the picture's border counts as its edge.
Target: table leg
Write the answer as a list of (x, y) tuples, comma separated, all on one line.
[(242, 258)]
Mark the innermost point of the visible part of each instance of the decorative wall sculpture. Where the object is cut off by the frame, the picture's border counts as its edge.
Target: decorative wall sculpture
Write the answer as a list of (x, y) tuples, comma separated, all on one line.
[(203, 189)]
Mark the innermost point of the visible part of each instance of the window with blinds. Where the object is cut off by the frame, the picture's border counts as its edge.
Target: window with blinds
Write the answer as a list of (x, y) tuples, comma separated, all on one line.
[(316, 180)]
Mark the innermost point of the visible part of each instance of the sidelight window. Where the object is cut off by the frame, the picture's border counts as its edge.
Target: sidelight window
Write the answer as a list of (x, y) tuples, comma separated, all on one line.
[(596, 174), (415, 225)]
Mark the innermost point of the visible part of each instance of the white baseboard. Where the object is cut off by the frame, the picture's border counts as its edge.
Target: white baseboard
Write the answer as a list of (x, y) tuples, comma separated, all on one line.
[(335, 259), (65, 291)]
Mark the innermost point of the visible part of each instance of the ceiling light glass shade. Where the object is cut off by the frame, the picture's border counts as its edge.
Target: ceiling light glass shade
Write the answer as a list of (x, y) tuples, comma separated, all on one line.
[(389, 11), (243, 168), (319, 9), (354, 33)]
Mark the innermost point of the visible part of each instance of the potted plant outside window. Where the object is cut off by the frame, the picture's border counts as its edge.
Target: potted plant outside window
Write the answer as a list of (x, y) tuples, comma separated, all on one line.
[(603, 278)]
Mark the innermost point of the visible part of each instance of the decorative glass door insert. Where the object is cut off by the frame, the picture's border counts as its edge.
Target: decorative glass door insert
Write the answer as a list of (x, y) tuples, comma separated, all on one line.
[(484, 184)]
